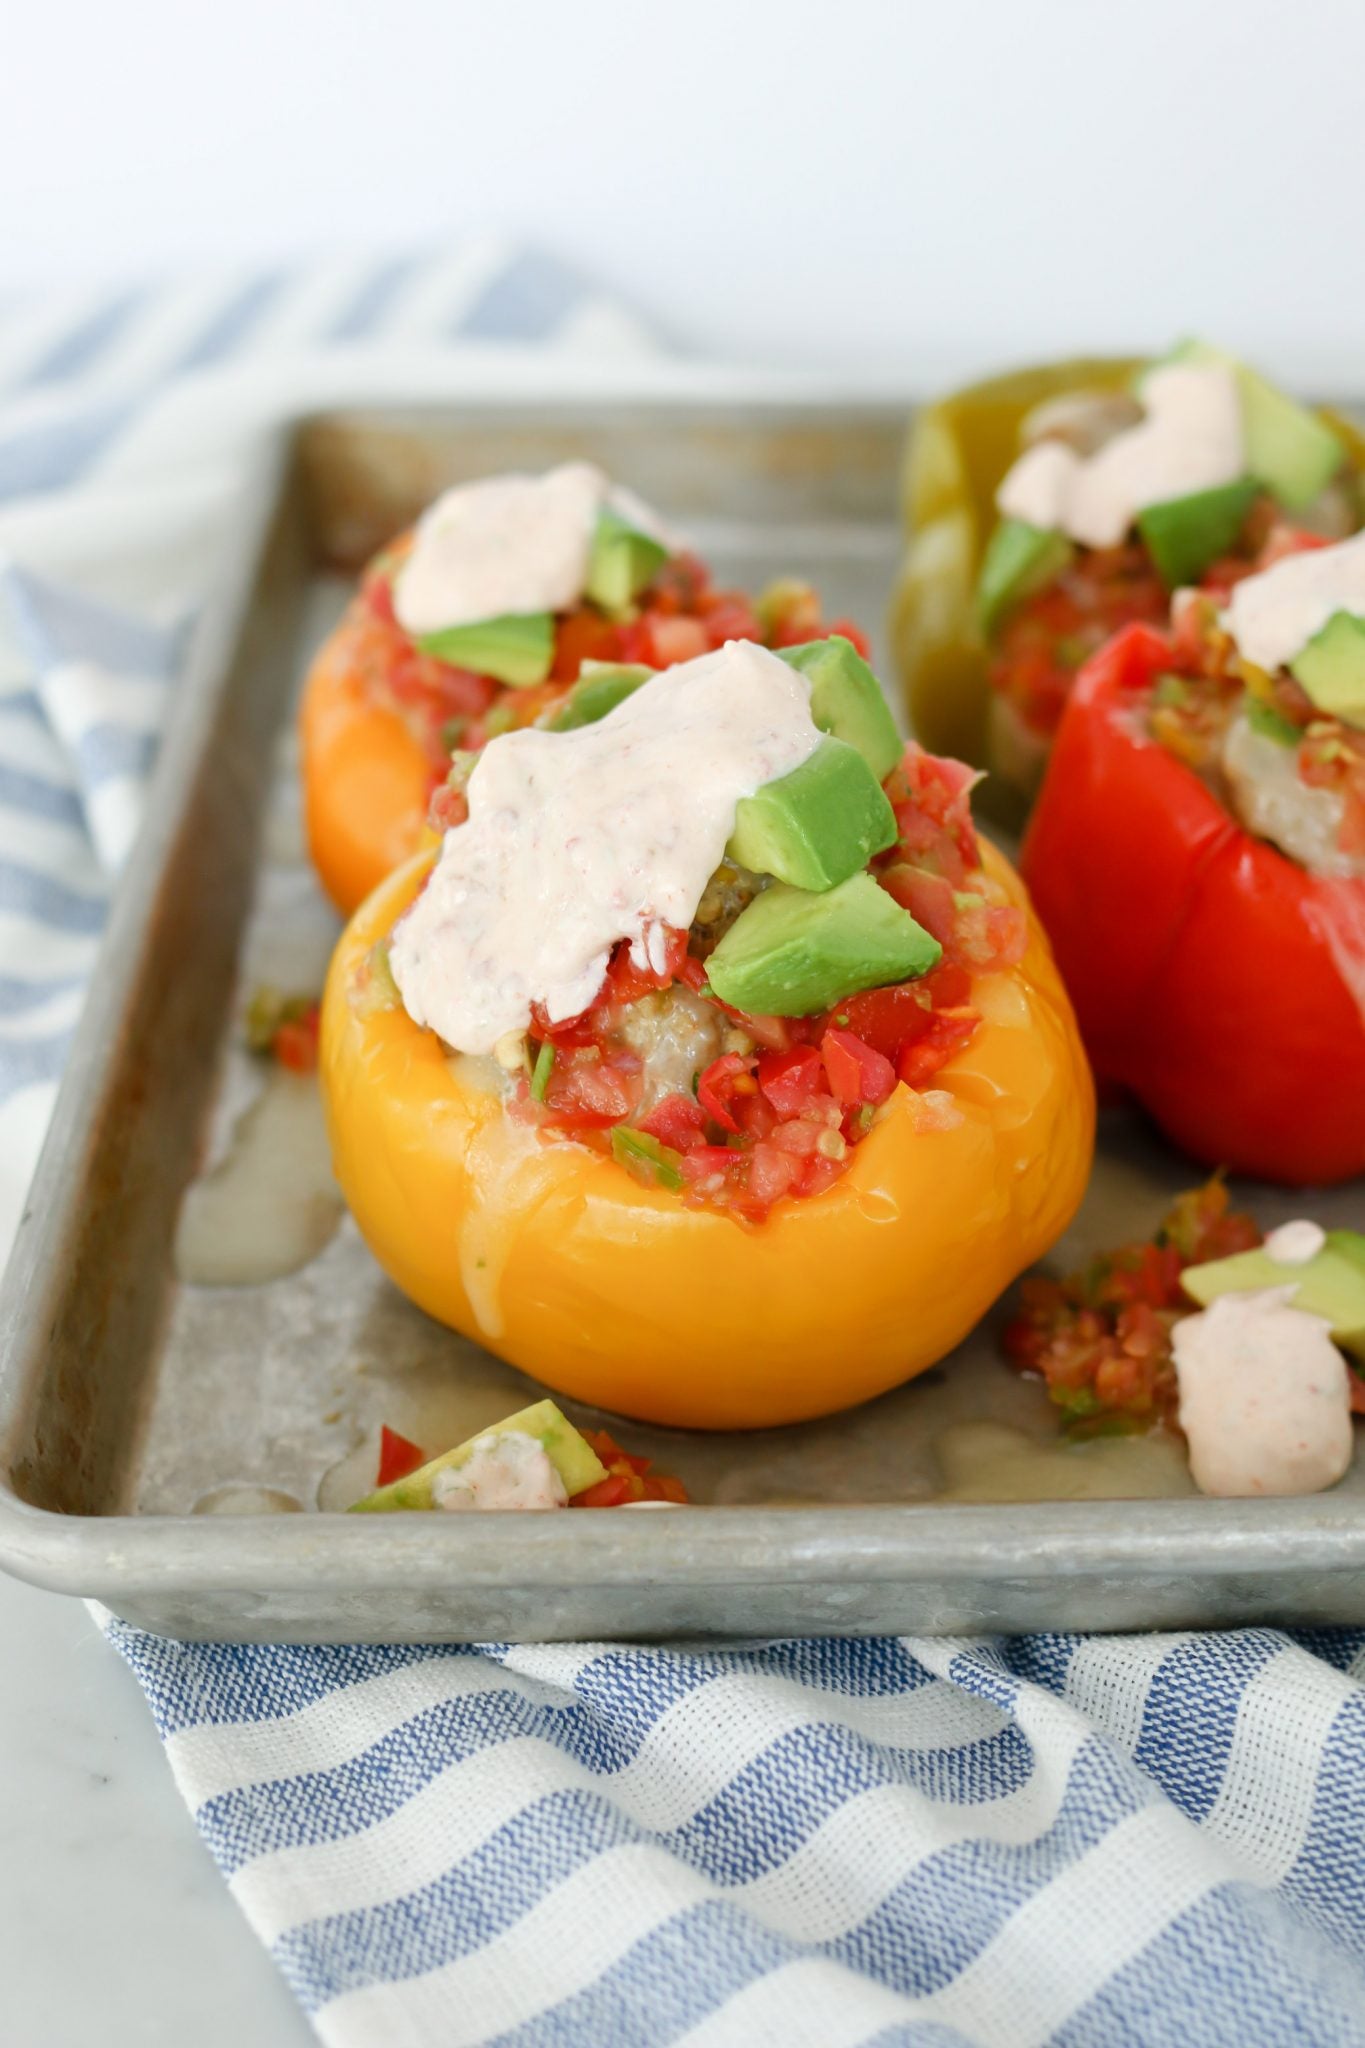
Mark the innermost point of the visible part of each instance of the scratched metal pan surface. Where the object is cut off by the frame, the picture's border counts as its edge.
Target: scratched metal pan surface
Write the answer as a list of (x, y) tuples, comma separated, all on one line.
[(143, 1386)]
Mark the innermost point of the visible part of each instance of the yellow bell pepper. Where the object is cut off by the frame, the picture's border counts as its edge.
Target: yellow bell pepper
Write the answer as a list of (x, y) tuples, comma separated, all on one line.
[(557, 1259), (958, 452)]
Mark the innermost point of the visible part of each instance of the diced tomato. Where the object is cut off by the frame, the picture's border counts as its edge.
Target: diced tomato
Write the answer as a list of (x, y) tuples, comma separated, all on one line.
[(857, 1073), (678, 1121), (626, 981), (703, 1162), (886, 1018), (732, 617), (946, 987), (772, 1174), (586, 1093), (582, 636), (378, 595), (296, 1041), (916, 1064), (845, 629), (607, 1493), (718, 1086), (791, 1079), (673, 640), (398, 1456), (930, 899)]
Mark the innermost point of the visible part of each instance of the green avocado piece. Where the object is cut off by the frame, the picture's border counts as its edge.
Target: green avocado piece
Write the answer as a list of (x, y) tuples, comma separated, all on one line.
[(1289, 450), (576, 1462), (819, 824), (517, 649), (1019, 560), (1184, 535), (846, 699), (601, 686), (1331, 1284), (623, 560), (1332, 668), (792, 954)]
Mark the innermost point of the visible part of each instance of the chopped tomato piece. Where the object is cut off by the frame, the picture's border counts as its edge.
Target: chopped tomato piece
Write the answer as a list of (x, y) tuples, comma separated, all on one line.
[(791, 1079), (718, 1086), (857, 1073), (398, 1456), (947, 1035), (678, 1121), (582, 636)]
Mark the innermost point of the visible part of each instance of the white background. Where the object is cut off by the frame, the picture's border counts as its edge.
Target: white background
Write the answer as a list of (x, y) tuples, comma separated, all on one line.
[(908, 188)]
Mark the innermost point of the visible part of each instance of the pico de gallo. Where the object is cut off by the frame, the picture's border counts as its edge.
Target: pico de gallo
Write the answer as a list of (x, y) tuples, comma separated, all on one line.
[(737, 1111), (680, 614), (1100, 1338)]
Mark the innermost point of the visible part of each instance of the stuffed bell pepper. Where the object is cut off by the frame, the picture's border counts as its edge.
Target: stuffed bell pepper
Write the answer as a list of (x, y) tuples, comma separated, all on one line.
[(478, 621), (1049, 508), (1197, 854), (712, 1072)]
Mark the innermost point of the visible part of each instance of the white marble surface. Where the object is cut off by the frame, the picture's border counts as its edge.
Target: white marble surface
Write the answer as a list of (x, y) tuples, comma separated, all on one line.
[(115, 1926)]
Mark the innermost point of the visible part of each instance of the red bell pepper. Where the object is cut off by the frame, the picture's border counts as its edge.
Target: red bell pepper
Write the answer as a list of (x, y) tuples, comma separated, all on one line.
[(1214, 978)]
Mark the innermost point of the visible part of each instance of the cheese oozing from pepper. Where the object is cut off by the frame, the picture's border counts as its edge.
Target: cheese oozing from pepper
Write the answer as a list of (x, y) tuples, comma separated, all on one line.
[(1189, 439), (505, 1469), (576, 840), (1273, 616), (510, 545), (1265, 1397)]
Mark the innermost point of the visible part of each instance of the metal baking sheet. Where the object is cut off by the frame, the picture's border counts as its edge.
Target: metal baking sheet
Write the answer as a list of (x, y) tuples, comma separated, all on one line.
[(134, 1403)]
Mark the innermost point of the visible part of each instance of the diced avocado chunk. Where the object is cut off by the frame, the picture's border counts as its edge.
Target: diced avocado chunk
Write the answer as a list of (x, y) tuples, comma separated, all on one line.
[(792, 954), (623, 560), (1184, 535), (577, 1464), (817, 825), (1332, 668), (1288, 448), (1330, 1284), (601, 686), (517, 649), (846, 700), (1019, 560)]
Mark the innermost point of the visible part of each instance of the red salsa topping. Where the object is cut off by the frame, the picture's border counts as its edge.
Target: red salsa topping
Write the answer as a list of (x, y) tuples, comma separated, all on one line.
[(1101, 1337), (679, 616), (773, 1107)]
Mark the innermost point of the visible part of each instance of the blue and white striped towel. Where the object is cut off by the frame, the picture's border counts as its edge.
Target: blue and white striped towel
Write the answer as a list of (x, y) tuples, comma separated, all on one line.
[(1059, 1840)]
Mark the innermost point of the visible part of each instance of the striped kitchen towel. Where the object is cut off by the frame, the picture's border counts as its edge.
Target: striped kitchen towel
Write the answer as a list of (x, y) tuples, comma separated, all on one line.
[(1058, 1840), (1155, 1840)]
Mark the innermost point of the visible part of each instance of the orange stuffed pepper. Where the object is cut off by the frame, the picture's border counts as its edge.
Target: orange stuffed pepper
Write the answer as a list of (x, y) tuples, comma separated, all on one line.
[(479, 621), (713, 1072)]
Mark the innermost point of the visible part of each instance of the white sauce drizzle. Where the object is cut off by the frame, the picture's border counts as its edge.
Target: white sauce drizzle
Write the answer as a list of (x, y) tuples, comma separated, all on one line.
[(1273, 616), (1294, 1244), (578, 839), (510, 545), (1264, 1396), (1190, 439), (505, 1469)]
